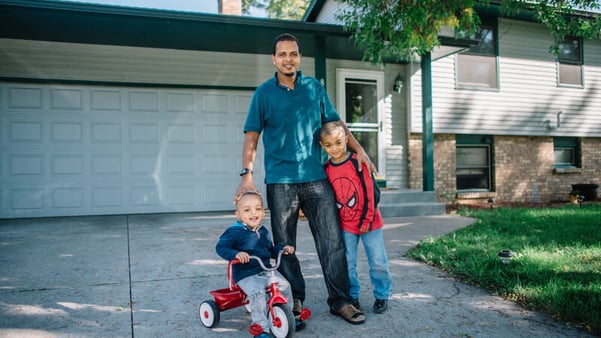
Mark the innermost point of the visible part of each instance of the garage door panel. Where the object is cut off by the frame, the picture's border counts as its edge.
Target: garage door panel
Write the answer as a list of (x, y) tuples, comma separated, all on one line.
[(23, 131), (106, 100), (144, 132), (67, 132), (143, 101), (215, 102), (71, 99), (24, 97), (104, 197), (103, 132), (84, 150), (180, 133), (106, 165), (180, 102)]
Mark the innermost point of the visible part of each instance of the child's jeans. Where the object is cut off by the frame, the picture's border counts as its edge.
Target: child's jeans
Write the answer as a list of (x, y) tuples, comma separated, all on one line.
[(373, 242), (254, 287)]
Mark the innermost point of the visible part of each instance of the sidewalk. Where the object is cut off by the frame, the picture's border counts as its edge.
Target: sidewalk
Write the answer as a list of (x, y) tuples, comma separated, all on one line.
[(76, 277)]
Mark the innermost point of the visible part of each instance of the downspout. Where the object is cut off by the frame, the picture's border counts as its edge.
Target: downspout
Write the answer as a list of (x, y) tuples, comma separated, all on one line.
[(427, 133)]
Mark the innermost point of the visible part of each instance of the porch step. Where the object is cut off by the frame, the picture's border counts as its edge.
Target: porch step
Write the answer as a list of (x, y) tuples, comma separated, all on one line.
[(406, 202)]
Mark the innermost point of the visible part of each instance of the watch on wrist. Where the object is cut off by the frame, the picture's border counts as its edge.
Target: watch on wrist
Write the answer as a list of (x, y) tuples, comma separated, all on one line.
[(245, 171)]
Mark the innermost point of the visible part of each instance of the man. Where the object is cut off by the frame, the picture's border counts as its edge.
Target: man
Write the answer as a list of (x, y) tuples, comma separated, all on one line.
[(289, 109)]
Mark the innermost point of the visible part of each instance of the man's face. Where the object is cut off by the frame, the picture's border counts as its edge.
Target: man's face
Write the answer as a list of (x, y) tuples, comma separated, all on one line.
[(286, 58)]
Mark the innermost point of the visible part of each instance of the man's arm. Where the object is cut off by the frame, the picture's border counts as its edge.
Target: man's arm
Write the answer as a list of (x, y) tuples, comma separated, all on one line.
[(249, 152), (362, 156)]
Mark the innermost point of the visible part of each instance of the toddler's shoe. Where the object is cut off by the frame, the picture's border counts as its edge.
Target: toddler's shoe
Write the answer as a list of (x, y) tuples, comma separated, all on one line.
[(297, 308), (380, 305), (263, 335)]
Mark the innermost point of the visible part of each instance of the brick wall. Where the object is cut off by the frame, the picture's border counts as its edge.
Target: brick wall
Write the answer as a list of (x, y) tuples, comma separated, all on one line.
[(523, 168)]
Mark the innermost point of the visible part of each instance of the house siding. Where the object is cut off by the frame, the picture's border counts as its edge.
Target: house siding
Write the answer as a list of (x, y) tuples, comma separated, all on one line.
[(27, 59), (528, 94), (328, 12), (518, 116)]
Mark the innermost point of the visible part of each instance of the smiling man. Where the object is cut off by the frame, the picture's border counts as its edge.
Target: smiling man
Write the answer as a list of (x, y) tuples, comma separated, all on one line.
[(289, 109)]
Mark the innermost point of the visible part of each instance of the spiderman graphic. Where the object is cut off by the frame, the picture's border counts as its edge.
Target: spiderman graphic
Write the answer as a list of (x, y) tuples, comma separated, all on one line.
[(346, 197)]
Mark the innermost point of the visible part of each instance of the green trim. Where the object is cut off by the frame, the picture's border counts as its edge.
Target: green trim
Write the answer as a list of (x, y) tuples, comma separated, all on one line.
[(427, 129), (320, 59), (122, 84), (473, 139), (138, 27)]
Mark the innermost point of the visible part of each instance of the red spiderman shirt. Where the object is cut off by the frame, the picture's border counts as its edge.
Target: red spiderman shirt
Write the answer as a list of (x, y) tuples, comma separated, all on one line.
[(354, 192)]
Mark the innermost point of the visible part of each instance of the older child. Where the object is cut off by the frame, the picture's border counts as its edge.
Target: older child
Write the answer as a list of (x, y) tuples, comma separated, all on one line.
[(247, 237), (359, 216)]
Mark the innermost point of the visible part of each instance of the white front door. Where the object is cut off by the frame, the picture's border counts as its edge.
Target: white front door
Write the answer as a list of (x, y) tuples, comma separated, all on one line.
[(360, 104)]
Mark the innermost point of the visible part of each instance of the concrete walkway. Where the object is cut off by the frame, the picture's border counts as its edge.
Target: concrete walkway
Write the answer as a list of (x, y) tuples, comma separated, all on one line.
[(78, 276)]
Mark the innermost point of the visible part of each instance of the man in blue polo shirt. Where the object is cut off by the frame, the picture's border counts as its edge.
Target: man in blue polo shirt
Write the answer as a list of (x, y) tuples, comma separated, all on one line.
[(289, 109)]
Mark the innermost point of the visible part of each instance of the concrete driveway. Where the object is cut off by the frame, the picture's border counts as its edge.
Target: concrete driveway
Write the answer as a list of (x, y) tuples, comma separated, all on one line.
[(145, 276)]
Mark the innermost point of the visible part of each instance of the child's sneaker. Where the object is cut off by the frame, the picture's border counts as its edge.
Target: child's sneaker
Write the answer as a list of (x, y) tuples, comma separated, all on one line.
[(356, 303), (381, 305), (257, 331)]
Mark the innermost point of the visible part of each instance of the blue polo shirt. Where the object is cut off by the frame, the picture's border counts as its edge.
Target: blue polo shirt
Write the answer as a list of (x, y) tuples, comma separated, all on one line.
[(290, 120)]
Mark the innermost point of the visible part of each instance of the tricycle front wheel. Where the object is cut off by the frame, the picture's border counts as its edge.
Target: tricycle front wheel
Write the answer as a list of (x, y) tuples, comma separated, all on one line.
[(282, 321), (208, 313)]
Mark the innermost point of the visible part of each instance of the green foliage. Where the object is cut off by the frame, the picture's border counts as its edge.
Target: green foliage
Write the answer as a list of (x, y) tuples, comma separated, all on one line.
[(557, 262), (278, 9), (562, 17), (402, 29)]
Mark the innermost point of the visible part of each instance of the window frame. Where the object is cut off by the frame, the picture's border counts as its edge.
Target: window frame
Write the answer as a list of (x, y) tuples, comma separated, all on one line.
[(571, 143), (564, 63), (492, 25), (476, 141)]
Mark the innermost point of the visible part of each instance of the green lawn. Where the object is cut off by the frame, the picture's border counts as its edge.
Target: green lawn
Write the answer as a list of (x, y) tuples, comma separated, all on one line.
[(556, 266)]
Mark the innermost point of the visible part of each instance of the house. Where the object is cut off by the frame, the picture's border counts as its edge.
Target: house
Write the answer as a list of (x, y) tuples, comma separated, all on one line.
[(511, 121), (118, 110)]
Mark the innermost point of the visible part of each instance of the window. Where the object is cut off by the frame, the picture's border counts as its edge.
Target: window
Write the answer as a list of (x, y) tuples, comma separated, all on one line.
[(566, 152), (477, 67), (569, 62), (473, 162)]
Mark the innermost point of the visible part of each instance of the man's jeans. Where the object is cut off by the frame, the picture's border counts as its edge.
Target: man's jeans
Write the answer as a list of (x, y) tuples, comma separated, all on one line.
[(373, 243), (316, 199)]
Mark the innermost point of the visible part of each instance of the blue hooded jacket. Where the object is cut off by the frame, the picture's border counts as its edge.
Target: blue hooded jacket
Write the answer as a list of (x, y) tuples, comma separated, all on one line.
[(239, 237)]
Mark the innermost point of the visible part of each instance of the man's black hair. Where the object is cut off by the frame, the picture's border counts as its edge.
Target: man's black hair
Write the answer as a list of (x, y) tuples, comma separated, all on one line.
[(284, 37)]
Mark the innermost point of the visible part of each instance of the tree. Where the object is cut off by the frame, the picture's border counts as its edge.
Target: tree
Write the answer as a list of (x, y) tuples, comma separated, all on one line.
[(402, 29), (278, 9)]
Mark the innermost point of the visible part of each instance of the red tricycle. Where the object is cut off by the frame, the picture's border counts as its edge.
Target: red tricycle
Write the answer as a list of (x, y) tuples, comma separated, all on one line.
[(281, 317)]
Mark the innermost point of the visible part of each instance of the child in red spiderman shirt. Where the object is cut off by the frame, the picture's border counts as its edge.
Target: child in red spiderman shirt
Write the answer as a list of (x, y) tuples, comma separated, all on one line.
[(359, 215)]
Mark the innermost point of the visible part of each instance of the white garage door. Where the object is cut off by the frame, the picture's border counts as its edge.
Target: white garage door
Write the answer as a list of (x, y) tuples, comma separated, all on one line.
[(92, 150)]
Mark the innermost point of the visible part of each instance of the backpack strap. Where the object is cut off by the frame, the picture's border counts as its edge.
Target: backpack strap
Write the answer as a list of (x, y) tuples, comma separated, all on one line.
[(364, 187)]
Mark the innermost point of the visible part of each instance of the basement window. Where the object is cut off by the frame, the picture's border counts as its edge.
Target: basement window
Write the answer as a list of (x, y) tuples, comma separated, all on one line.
[(473, 163), (566, 152)]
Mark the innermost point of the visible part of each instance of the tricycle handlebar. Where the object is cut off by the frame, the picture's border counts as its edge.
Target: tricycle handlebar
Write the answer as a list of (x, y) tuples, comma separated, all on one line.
[(277, 261)]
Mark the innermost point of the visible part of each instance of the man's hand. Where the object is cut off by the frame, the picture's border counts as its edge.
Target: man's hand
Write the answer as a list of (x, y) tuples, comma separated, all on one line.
[(288, 250), (362, 157), (246, 185), (242, 257)]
